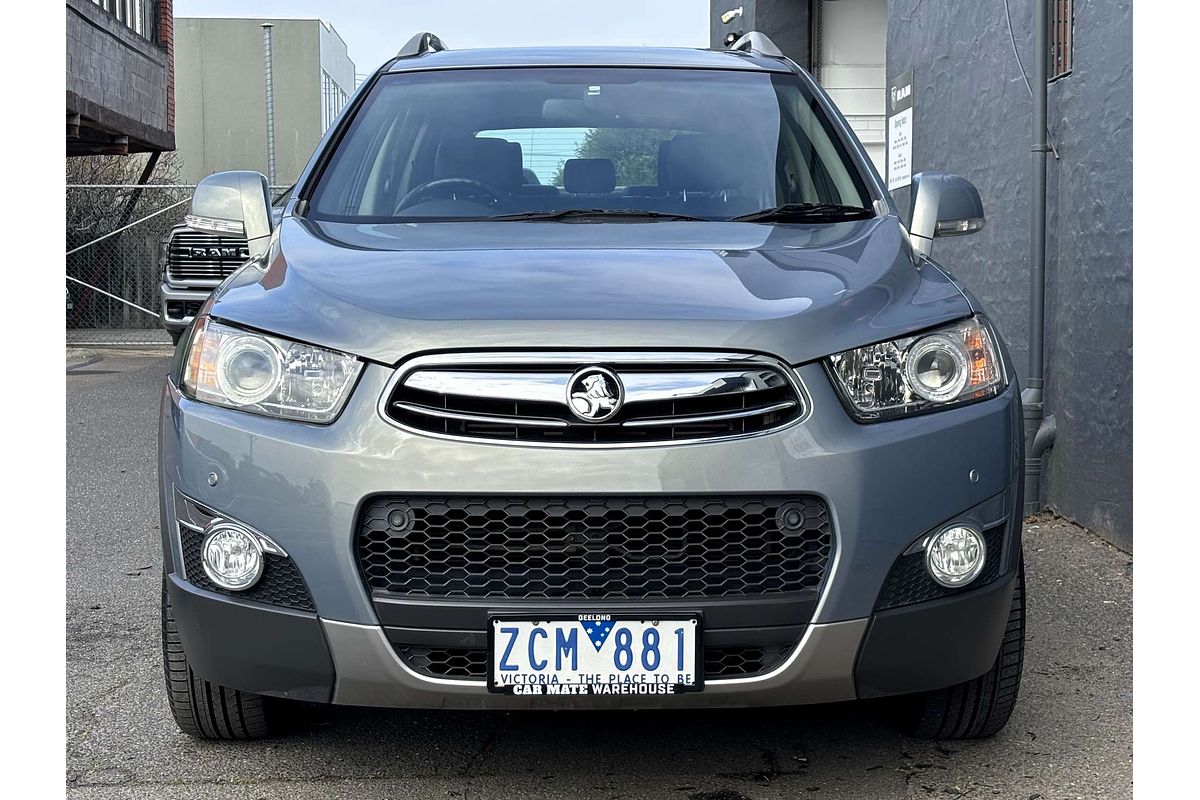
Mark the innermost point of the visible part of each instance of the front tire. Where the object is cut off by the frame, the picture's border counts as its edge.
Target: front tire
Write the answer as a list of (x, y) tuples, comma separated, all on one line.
[(175, 337), (203, 709), (978, 708)]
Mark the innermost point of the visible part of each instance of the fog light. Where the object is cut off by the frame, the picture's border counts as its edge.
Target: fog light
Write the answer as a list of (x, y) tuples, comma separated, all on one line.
[(232, 556), (954, 557)]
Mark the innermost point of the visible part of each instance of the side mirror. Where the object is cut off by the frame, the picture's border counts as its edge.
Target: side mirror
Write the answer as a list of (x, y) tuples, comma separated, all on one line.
[(942, 205), (235, 203)]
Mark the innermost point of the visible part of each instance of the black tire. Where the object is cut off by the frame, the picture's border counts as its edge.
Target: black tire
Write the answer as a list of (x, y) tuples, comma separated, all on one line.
[(204, 709), (175, 337), (978, 708)]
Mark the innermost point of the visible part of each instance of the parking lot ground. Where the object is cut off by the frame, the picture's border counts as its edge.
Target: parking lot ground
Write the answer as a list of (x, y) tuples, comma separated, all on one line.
[(1069, 738)]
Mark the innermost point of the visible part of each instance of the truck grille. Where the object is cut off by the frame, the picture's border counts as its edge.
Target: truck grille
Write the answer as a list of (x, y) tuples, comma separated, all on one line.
[(195, 256), (579, 547), (547, 399)]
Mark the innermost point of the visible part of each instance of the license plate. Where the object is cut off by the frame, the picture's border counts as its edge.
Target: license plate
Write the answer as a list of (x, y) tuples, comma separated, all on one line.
[(594, 654)]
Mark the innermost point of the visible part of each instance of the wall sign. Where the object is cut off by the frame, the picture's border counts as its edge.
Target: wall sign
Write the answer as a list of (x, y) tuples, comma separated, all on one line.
[(899, 130)]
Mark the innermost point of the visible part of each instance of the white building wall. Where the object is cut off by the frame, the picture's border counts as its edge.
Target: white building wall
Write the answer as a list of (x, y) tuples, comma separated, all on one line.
[(851, 67), (337, 73)]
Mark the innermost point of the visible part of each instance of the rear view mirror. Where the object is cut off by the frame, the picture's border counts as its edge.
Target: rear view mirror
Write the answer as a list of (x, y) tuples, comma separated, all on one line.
[(942, 205), (235, 204)]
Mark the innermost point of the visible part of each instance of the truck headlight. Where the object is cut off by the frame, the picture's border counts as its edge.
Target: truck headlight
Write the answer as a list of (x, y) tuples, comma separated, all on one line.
[(241, 369), (956, 364)]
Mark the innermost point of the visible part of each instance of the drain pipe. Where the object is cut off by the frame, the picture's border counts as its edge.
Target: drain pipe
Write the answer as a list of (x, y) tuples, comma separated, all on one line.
[(268, 65), (1039, 429)]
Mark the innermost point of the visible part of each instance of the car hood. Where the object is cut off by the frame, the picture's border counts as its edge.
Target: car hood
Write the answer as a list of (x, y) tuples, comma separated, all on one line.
[(383, 292)]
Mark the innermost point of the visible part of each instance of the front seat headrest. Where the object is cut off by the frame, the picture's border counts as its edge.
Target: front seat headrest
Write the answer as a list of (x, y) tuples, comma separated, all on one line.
[(495, 162), (589, 175), (701, 162)]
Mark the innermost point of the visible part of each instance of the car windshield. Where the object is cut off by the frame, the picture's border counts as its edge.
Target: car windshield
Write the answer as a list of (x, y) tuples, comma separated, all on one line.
[(574, 142)]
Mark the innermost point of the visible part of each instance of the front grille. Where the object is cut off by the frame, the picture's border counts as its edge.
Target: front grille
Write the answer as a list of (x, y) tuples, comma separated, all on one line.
[(580, 547), (471, 663), (909, 583), (196, 256), (280, 585), (536, 401)]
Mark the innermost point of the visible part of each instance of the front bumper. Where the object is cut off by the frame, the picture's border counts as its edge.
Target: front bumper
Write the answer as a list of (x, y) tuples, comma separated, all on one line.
[(885, 485), (179, 306)]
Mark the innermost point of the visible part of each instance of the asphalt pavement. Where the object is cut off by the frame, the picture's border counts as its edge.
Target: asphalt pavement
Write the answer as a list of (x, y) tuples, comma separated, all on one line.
[(1069, 738)]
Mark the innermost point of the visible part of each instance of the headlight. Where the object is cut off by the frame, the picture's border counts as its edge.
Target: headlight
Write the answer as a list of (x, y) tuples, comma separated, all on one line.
[(264, 374), (950, 366)]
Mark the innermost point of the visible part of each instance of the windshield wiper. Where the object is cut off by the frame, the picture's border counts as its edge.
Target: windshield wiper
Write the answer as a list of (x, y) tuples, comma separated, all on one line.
[(806, 212), (571, 213)]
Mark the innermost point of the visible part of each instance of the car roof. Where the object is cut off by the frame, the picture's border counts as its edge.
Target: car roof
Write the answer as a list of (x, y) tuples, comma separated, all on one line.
[(680, 57)]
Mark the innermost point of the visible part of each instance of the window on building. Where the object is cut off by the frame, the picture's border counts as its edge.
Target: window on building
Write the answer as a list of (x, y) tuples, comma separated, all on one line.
[(333, 97), (137, 15), (1062, 24)]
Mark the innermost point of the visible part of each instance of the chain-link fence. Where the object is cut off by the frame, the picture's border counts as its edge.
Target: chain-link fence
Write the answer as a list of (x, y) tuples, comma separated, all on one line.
[(113, 236)]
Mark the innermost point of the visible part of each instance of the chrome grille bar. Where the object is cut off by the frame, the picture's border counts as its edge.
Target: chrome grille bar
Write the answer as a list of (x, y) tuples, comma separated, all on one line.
[(550, 387), (437, 412), (696, 418)]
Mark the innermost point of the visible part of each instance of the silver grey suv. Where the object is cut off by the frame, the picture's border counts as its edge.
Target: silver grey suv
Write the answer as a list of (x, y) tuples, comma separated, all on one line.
[(590, 378)]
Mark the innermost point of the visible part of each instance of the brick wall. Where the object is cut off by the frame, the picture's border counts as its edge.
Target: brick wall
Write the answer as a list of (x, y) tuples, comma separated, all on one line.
[(166, 38), (118, 80)]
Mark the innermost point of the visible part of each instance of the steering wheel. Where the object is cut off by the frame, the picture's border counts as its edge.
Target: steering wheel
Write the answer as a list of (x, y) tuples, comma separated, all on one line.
[(449, 189)]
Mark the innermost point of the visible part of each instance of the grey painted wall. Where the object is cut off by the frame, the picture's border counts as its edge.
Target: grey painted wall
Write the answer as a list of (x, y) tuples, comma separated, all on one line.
[(973, 118), (116, 77)]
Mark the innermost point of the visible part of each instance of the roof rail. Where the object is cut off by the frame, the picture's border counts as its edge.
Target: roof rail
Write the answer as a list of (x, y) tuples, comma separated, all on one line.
[(757, 42), (420, 44)]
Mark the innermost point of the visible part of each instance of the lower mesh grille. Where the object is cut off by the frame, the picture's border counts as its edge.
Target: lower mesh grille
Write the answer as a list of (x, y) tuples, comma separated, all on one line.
[(280, 585), (741, 662), (909, 583), (471, 663), (580, 547), (445, 662)]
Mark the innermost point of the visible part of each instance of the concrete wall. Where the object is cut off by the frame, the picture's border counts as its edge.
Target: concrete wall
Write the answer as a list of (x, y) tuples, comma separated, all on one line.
[(117, 78), (972, 117), (221, 95)]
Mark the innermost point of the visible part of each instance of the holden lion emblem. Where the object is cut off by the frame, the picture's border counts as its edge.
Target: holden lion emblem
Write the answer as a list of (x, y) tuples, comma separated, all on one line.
[(595, 394)]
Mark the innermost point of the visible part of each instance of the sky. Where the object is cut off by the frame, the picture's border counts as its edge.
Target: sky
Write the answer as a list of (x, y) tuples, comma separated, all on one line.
[(375, 29)]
